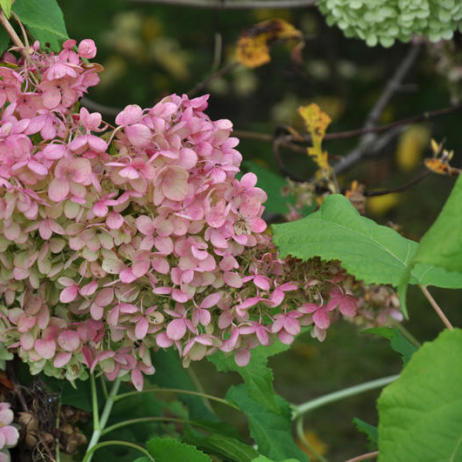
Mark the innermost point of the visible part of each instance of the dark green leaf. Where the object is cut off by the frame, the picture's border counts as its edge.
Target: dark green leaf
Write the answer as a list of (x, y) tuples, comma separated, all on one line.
[(258, 377), (272, 432), (171, 374), (273, 185), (369, 430), (222, 445), (265, 459), (4, 40), (420, 414), (172, 450), (44, 19), (398, 342)]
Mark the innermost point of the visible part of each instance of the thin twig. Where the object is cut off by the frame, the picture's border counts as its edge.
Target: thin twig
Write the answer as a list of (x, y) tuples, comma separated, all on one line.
[(234, 4), (436, 307), (12, 33), (204, 84), (369, 455), (94, 106), (390, 89), (403, 187)]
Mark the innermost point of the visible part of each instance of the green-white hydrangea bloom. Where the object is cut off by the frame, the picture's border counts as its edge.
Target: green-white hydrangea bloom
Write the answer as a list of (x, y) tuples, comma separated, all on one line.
[(384, 21)]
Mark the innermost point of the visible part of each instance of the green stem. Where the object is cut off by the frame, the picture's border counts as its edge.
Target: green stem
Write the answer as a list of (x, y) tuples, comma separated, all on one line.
[(125, 423), (341, 394), (301, 436), (100, 423), (90, 452), (407, 335), (176, 390)]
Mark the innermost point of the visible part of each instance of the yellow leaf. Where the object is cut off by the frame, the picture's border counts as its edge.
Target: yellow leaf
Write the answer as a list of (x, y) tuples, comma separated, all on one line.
[(253, 44), (411, 146), (316, 120), (380, 205), (316, 443)]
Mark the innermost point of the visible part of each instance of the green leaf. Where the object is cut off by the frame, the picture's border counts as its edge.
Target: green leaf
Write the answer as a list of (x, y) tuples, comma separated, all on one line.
[(171, 374), (4, 40), (6, 7), (273, 185), (230, 448), (258, 377), (44, 19), (420, 414), (272, 432), (369, 430), (398, 342), (441, 246), (373, 253), (172, 450), (265, 459)]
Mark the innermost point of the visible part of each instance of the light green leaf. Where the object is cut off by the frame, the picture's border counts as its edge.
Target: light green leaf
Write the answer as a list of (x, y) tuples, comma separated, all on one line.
[(271, 432), (258, 377), (420, 414), (171, 450), (371, 252), (44, 19), (398, 342), (6, 7), (441, 246)]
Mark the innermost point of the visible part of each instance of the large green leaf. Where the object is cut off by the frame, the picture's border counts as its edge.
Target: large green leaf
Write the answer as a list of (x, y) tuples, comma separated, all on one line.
[(171, 450), (44, 19), (420, 414), (398, 342), (258, 377), (371, 252), (271, 431)]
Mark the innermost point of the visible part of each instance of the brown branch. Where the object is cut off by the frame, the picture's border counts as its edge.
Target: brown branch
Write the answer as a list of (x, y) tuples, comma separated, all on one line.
[(388, 92), (383, 192), (369, 455), (204, 84), (234, 4), (436, 307), (12, 33)]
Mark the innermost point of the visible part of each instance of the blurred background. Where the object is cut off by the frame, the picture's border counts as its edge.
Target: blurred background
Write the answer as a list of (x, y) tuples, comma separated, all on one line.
[(149, 51)]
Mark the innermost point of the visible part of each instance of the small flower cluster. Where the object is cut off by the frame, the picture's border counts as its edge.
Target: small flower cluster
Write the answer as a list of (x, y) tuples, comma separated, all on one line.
[(384, 21), (118, 240), (9, 434)]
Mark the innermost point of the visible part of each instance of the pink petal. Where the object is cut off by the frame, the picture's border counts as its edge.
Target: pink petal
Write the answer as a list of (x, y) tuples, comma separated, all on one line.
[(232, 279), (45, 348), (69, 294), (69, 340), (58, 190), (211, 300), (137, 379), (176, 329), (175, 183), (139, 135), (242, 357), (141, 328), (321, 319), (61, 359)]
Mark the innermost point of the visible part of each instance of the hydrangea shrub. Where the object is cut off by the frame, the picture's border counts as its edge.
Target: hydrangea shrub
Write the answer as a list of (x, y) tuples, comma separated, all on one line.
[(117, 240), (384, 21)]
